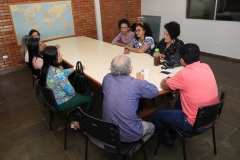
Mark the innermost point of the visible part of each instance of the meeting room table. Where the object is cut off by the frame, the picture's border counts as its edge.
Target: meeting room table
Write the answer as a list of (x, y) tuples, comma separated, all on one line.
[(97, 55)]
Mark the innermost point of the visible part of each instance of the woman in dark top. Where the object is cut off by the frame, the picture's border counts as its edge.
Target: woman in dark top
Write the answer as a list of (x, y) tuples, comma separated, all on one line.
[(170, 45)]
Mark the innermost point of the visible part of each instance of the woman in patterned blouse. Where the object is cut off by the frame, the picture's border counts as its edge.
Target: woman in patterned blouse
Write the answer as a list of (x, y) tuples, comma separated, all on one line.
[(142, 43), (57, 80)]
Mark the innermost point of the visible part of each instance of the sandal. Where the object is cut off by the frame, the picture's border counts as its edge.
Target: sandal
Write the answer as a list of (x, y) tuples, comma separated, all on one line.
[(72, 126), (75, 125)]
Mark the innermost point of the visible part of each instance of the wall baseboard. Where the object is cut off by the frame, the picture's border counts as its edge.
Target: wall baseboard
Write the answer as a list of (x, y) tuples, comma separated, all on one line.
[(13, 69), (220, 57)]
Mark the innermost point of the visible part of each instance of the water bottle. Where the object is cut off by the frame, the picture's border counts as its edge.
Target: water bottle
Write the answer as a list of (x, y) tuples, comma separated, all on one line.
[(156, 57)]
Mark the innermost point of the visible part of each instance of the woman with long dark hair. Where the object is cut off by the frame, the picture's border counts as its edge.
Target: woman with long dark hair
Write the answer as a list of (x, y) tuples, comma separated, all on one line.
[(142, 43), (34, 33), (57, 80), (35, 47)]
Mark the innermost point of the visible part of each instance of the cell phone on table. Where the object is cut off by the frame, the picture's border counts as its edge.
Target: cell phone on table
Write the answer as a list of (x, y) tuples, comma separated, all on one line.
[(165, 72)]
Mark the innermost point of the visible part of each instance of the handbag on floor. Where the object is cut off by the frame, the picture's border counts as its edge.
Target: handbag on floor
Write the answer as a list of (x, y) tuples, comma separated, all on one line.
[(80, 82)]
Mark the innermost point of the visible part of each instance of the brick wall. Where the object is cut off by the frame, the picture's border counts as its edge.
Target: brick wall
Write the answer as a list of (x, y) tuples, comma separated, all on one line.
[(85, 24), (114, 10)]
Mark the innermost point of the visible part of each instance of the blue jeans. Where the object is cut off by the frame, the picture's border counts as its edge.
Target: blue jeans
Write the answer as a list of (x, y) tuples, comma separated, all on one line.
[(174, 117)]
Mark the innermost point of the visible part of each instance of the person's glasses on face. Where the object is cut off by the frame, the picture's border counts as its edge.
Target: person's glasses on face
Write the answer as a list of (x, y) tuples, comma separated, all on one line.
[(138, 30), (35, 36), (124, 28)]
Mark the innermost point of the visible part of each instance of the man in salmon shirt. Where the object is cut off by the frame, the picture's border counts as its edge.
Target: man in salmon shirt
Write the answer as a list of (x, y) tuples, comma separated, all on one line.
[(197, 86)]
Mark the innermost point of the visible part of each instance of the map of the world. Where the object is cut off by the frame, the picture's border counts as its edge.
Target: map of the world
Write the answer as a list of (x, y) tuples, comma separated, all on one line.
[(51, 19)]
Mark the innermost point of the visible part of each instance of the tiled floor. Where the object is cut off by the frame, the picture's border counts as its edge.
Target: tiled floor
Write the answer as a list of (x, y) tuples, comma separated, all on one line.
[(24, 123)]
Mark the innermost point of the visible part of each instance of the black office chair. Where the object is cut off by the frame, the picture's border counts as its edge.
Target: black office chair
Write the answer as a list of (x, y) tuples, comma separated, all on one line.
[(206, 118), (35, 75), (50, 100), (106, 135)]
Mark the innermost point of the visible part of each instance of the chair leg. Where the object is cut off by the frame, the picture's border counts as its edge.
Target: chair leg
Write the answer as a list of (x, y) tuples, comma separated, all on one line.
[(183, 146), (65, 137), (33, 80), (86, 148), (158, 143), (144, 152), (51, 119), (214, 141), (37, 91)]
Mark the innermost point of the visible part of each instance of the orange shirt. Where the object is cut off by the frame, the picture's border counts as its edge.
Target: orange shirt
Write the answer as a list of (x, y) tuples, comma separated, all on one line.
[(197, 86)]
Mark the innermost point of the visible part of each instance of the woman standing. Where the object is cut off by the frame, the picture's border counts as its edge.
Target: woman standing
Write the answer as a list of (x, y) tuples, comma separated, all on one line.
[(142, 43), (125, 35), (57, 80), (170, 45)]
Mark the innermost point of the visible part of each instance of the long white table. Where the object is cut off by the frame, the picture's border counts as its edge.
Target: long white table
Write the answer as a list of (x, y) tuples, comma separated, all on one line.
[(96, 56)]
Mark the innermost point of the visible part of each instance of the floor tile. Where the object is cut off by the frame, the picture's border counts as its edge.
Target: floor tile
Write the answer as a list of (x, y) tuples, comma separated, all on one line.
[(230, 117), (10, 135), (224, 152), (18, 153), (230, 92), (43, 145), (6, 116), (233, 140), (233, 105), (34, 131), (4, 106), (29, 119), (58, 154)]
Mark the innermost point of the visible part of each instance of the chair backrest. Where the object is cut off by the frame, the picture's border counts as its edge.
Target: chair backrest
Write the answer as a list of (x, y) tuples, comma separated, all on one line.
[(104, 133), (222, 99), (47, 95), (207, 116)]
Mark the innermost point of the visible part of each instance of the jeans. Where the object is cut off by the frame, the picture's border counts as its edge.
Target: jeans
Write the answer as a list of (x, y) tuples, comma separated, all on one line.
[(174, 117)]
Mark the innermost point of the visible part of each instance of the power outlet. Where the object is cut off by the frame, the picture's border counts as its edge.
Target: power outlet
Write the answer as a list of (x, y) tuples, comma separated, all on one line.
[(5, 57)]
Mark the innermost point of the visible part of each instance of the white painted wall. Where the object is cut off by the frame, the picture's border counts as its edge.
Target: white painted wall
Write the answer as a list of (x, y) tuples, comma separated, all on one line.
[(205, 33)]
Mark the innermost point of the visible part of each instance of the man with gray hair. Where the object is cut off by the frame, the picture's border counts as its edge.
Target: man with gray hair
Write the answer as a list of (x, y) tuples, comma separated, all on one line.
[(121, 97)]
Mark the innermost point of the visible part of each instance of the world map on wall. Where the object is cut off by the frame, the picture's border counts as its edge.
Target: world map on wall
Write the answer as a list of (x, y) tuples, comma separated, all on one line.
[(51, 19)]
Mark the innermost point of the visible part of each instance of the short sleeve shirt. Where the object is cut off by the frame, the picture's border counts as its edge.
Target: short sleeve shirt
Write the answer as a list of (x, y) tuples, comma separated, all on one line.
[(120, 103), (148, 41), (197, 86)]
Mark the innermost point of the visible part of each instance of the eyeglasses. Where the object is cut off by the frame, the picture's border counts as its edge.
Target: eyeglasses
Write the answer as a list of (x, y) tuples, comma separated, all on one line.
[(124, 28), (36, 36), (137, 30)]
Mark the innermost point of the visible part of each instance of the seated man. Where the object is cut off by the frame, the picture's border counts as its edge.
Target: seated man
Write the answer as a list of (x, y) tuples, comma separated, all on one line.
[(197, 86), (121, 96)]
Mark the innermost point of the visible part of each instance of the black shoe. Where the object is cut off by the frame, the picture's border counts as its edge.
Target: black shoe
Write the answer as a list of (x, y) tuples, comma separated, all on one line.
[(173, 134), (170, 144), (167, 139)]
